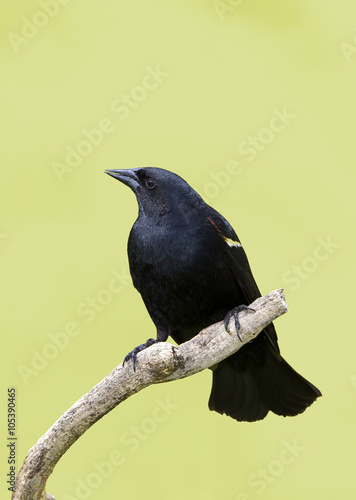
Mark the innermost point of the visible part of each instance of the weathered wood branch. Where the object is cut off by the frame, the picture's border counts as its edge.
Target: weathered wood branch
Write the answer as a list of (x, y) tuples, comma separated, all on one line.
[(161, 362)]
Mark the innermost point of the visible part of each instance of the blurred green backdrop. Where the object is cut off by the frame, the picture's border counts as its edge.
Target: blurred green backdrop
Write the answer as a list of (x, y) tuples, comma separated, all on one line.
[(253, 103)]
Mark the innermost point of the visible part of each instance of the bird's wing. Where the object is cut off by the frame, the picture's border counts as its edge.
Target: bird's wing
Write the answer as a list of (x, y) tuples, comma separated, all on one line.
[(240, 267)]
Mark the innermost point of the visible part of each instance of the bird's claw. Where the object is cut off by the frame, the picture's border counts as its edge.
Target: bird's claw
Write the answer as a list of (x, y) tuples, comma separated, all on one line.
[(132, 355), (235, 313)]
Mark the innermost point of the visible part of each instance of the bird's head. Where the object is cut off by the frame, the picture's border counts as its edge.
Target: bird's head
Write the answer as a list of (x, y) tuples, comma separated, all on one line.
[(159, 191)]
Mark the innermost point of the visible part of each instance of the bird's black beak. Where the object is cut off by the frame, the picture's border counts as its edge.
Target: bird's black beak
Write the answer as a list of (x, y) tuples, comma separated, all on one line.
[(127, 176)]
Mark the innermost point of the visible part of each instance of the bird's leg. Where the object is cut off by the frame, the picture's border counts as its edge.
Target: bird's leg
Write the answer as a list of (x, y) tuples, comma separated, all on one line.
[(132, 355), (162, 336), (235, 313)]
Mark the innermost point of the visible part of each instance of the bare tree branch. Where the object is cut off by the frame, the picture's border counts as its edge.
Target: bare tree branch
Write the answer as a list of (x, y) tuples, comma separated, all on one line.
[(161, 362)]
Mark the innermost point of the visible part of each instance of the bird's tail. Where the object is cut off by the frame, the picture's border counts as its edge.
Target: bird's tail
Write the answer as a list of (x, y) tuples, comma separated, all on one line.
[(256, 380)]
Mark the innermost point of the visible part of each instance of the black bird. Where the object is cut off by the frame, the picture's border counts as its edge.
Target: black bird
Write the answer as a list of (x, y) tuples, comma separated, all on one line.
[(191, 270)]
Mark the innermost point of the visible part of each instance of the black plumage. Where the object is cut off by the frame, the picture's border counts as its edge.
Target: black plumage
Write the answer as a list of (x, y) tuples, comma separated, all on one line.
[(191, 270)]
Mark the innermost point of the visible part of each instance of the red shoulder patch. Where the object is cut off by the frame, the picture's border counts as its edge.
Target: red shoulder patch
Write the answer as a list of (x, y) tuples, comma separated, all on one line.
[(229, 241), (213, 223)]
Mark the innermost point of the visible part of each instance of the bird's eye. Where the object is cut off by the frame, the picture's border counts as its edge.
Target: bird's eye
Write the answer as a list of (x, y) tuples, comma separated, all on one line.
[(150, 183)]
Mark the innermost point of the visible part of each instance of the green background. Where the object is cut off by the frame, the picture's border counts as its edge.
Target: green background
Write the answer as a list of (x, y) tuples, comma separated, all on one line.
[(226, 69)]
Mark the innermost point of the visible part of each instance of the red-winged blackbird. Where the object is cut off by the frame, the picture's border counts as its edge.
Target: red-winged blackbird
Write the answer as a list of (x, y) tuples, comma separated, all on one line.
[(191, 270)]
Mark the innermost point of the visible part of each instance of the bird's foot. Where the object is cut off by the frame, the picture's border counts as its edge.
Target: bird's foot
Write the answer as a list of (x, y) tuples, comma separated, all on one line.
[(235, 313), (132, 355)]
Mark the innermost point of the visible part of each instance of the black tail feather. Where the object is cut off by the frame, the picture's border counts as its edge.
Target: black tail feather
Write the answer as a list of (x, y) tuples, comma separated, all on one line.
[(254, 381)]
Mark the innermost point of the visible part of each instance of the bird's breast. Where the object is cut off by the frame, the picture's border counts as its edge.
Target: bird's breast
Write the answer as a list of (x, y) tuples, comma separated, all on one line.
[(182, 275), (171, 249)]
